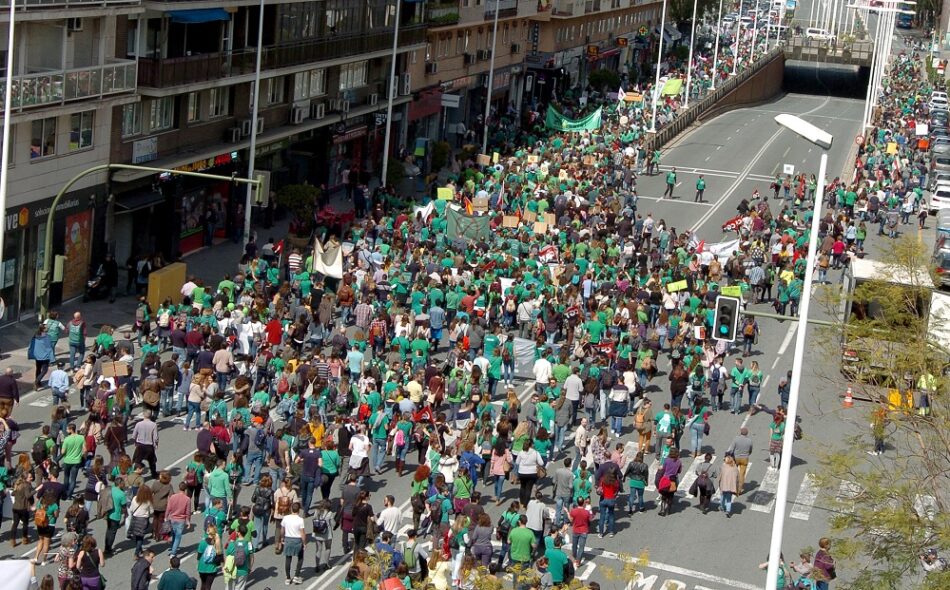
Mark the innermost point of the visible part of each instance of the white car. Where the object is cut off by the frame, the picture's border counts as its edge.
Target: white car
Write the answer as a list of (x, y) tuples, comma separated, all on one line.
[(940, 198), (818, 34), (938, 102), (937, 94)]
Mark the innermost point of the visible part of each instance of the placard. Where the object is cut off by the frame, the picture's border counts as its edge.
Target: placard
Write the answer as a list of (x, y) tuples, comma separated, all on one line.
[(562, 175), (495, 157), (533, 159), (892, 148), (788, 169), (732, 291), (445, 193), (677, 286), (483, 160), (115, 369), (529, 217), (480, 203), (588, 160), (922, 130), (550, 219), (511, 221), (540, 227)]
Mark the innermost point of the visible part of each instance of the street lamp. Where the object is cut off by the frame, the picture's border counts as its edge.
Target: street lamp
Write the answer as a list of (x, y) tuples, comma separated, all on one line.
[(659, 57), (883, 38), (255, 100), (716, 50), (491, 79), (822, 139), (755, 34), (735, 52), (689, 61), (391, 91)]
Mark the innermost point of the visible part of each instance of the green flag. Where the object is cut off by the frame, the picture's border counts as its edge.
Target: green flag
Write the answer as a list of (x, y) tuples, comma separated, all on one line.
[(556, 120), (672, 87)]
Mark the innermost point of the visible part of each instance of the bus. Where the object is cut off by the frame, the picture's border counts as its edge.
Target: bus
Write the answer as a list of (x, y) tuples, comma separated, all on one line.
[(905, 21)]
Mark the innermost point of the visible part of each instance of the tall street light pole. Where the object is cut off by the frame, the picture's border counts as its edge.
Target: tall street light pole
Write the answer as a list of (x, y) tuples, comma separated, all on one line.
[(255, 100), (823, 140), (689, 62), (659, 57), (755, 34), (7, 106), (735, 53), (391, 91), (491, 79), (716, 49)]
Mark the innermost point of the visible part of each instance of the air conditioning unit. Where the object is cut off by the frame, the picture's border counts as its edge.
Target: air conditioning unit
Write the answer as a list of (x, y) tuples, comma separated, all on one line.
[(483, 80), (246, 126), (484, 54), (516, 47), (296, 115), (74, 25), (432, 67), (233, 134), (345, 106), (373, 99), (469, 59), (318, 110), (405, 85)]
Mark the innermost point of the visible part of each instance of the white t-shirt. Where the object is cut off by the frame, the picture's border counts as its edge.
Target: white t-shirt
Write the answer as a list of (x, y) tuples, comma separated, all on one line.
[(360, 446), (389, 519), (293, 526)]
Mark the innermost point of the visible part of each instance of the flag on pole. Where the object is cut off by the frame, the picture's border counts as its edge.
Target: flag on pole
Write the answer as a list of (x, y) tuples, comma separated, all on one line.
[(620, 96)]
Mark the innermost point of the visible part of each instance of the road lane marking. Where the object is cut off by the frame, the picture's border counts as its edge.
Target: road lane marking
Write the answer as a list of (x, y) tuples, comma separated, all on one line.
[(788, 338), (788, 149), (763, 499), (675, 569), (588, 570), (805, 500)]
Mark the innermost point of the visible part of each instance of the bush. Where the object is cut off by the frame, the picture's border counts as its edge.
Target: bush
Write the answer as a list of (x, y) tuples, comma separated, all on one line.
[(395, 173), (301, 200), (602, 78), (440, 155)]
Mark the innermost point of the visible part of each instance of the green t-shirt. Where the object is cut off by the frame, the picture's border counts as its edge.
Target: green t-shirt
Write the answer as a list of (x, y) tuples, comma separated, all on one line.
[(522, 541), (242, 570), (119, 502), (557, 559), (72, 449)]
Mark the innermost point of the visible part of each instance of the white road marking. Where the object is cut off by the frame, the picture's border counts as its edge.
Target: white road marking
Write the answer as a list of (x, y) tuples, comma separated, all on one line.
[(767, 489), (788, 338), (691, 475), (788, 149), (805, 500), (675, 569), (718, 147), (707, 158), (654, 467), (588, 570)]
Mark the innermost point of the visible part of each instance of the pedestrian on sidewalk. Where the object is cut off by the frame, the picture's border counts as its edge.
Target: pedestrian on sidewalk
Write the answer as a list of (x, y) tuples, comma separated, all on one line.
[(41, 353)]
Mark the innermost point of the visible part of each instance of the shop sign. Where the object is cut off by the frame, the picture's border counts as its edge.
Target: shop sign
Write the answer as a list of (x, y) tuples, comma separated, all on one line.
[(36, 213), (451, 101), (271, 148), (593, 51), (350, 135), (622, 41), (145, 150), (206, 163)]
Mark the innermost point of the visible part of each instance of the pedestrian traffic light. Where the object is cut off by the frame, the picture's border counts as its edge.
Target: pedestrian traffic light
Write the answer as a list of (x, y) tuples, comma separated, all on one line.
[(726, 320)]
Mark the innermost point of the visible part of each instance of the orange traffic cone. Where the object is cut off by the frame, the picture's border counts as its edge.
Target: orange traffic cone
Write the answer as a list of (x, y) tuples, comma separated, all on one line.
[(848, 400)]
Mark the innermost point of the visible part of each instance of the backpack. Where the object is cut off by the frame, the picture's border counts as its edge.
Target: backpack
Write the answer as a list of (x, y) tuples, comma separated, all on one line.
[(283, 505), (608, 379), (210, 520), (435, 509), (260, 439), (240, 554), (503, 528), (262, 503), (418, 503), (40, 517), (163, 319), (283, 386), (209, 555), (106, 504), (191, 477), (321, 526), (400, 438), (505, 354), (749, 329), (40, 452), (409, 555)]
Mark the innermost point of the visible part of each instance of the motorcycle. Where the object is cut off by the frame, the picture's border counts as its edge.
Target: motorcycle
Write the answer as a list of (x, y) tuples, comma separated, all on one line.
[(96, 287)]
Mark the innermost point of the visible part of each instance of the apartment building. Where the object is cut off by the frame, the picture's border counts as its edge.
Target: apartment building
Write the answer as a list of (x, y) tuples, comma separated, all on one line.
[(571, 38), (70, 72)]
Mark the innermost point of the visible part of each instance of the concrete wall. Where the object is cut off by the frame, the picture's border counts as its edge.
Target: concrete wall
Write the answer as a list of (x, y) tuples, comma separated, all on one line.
[(760, 87)]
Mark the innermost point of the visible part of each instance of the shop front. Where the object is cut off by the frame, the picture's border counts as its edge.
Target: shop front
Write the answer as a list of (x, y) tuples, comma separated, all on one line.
[(207, 209), (24, 247)]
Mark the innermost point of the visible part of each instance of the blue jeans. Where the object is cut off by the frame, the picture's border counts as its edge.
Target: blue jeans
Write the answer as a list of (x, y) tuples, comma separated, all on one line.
[(70, 476), (735, 399), (578, 542), (378, 454), (76, 351), (753, 393), (508, 372), (223, 379), (606, 518), (696, 436), (168, 396), (182, 354), (636, 494), (178, 531), (181, 402), (307, 484), (725, 501), (253, 462), (616, 423), (194, 409), (260, 527), (499, 485), (559, 433), (559, 511)]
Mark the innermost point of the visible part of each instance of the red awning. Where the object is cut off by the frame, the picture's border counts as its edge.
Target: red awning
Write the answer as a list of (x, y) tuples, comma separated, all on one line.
[(429, 103)]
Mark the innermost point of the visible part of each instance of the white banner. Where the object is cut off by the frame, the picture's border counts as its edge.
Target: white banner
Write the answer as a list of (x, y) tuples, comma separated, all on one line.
[(722, 250), (524, 358), (329, 261), (17, 574)]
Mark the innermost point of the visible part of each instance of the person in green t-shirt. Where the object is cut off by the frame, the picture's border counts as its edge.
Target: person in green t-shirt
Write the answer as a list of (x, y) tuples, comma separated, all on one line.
[(557, 560), (700, 188), (71, 452), (670, 183), (114, 519), (522, 543)]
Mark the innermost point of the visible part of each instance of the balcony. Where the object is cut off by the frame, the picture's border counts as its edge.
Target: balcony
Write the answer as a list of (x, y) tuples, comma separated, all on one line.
[(591, 6), (164, 73), (506, 8), (562, 8), (52, 88), (446, 13), (44, 4)]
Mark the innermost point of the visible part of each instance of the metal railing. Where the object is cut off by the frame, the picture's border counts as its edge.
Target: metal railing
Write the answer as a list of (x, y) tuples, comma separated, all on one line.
[(505, 8), (446, 13), (162, 73), (42, 4), (49, 88)]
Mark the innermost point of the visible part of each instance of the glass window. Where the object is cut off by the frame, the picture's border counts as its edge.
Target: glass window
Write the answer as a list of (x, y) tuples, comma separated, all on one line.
[(318, 82), (43, 140), (275, 91), (131, 119), (80, 130), (219, 102), (194, 107), (161, 113), (353, 75)]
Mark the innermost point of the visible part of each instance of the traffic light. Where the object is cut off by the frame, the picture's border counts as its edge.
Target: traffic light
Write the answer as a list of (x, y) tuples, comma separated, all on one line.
[(726, 320)]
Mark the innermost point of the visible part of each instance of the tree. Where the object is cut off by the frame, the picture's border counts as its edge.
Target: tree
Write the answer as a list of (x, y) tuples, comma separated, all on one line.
[(604, 78), (678, 11), (301, 200), (889, 509)]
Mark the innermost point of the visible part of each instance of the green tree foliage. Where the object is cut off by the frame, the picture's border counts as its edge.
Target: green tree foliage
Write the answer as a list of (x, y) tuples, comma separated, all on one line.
[(604, 79), (679, 11), (887, 510), (299, 199)]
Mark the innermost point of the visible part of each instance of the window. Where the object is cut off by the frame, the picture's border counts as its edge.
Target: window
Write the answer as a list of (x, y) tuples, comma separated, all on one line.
[(219, 102), (458, 43), (194, 107), (43, 140), (308, 84), (353, 75), (428, 51), (274, 91), (161, 113), (80, 130), (131, 119), (468, 37), (318, 82), (504, 35)]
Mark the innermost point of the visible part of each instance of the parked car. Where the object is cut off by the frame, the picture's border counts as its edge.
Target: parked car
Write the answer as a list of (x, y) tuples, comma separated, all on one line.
[(940, 198), (818, 34)]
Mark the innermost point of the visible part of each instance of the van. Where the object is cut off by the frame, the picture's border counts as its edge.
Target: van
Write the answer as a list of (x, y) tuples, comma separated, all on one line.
[(818, 34)]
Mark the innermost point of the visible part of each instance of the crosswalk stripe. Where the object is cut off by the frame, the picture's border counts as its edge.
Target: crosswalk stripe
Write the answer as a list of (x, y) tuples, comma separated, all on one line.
[(805, 500), (763, 499), (847, 492), (654, 467), (718, 494), (588, 570)]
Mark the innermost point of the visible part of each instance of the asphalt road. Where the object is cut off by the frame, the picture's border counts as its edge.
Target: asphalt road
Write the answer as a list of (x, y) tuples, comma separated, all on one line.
[(737, 152)]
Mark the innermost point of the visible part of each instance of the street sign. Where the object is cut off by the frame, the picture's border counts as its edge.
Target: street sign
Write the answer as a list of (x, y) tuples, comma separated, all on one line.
[(859, 139), (451, 101)]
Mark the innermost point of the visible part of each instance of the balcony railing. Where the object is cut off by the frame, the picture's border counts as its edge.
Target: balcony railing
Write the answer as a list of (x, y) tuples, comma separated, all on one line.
[(50, 88), (446, 13), (163, 73), (563, 8), (506, 8), (43, 4)]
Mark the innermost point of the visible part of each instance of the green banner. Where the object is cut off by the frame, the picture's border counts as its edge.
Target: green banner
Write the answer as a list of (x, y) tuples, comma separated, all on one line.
[(556, 120), (673, 87)]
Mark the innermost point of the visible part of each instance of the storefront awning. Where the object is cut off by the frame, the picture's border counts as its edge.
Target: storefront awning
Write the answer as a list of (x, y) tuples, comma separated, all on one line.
[(138, 200), (201, 15)]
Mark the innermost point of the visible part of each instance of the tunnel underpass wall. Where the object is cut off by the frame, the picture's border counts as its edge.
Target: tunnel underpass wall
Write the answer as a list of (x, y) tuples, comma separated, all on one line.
[(760, 87)]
